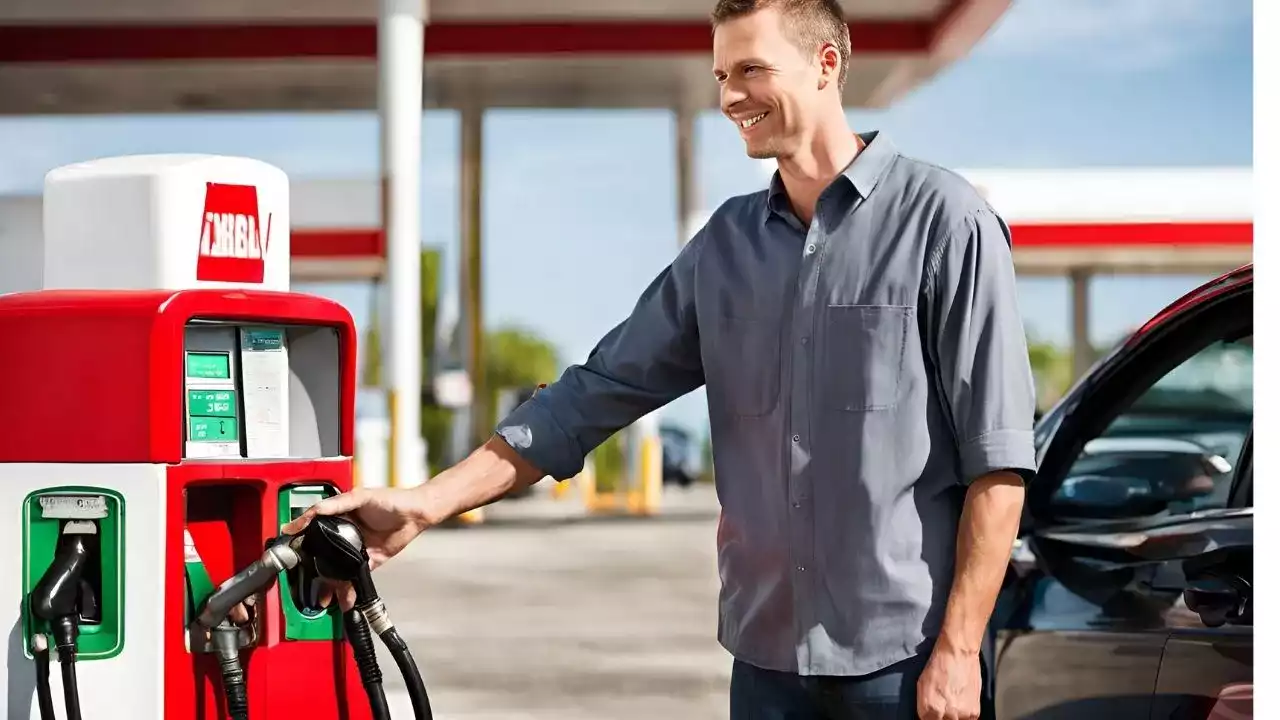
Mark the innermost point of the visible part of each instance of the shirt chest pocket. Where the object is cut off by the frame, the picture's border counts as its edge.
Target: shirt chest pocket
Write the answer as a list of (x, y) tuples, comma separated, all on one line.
[(860, 356), (744, 360)]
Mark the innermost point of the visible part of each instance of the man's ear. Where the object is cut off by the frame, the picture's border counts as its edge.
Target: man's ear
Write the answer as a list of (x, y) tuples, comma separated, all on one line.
[(828, 65)]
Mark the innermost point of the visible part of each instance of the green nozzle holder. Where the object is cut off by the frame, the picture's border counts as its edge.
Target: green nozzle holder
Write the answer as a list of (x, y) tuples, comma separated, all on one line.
[(301, 623), (99, 640)]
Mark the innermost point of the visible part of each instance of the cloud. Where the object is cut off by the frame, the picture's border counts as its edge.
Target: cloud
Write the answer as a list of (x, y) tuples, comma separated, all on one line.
[(1117, 34)]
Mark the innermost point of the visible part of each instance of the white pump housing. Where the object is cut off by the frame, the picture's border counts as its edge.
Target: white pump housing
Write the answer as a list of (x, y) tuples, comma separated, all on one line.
[(166, 222)]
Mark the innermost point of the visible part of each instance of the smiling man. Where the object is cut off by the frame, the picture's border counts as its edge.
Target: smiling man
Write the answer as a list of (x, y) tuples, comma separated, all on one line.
[(856, 326)]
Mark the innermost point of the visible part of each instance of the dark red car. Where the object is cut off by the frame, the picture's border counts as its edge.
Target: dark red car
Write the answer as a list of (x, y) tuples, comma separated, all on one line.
[(1130, 593)]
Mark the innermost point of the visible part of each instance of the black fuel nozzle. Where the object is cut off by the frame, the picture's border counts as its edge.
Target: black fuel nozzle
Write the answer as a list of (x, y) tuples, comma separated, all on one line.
[(336, 549), (58, 597)]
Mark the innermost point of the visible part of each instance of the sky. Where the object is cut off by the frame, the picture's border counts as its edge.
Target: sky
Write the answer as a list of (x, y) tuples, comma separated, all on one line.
[(1057, 84)]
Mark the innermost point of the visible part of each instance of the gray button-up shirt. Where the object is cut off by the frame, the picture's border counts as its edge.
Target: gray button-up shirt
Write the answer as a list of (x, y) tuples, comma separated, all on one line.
[(860, 372)]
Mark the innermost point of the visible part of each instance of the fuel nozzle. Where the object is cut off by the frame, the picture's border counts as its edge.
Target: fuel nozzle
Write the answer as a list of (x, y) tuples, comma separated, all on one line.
[(280, 555), (59, 598), (336, 549), (57, 594)]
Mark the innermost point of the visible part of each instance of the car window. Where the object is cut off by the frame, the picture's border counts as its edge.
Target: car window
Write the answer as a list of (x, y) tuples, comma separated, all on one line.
[(1174, 448)]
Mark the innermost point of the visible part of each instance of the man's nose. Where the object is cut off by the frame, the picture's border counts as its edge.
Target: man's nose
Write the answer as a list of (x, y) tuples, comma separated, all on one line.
[(731, 93)]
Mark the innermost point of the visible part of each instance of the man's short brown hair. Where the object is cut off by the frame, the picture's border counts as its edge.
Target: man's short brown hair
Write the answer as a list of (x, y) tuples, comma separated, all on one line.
[(808, 23)]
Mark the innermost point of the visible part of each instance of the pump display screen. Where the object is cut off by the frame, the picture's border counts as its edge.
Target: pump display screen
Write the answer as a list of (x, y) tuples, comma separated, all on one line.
[(213, 366)]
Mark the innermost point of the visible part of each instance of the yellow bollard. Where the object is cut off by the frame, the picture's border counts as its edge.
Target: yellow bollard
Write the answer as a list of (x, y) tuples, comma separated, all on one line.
[(651, 475), (560, 490)]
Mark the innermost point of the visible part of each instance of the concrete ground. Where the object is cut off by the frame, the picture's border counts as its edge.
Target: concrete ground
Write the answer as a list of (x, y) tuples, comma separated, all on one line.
[(536, 615)]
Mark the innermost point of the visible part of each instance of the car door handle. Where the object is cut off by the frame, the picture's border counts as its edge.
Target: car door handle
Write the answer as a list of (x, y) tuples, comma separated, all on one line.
[(1217, 602)]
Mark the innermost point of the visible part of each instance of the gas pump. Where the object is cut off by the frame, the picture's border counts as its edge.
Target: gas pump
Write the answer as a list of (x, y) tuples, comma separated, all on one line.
[(165, 403)]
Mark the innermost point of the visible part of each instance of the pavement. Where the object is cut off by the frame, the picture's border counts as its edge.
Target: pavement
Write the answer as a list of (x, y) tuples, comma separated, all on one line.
[(541, 613)]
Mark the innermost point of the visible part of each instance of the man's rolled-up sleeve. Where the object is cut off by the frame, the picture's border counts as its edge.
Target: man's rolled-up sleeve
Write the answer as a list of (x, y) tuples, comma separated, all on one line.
[(979, 348), (646, 361)]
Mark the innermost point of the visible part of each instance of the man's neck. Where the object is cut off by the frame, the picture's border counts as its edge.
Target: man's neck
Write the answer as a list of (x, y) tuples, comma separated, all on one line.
[(806, 174)]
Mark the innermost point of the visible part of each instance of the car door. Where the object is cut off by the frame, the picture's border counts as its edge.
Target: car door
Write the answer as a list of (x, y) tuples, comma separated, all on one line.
[(1206, 671), (1134, 477)]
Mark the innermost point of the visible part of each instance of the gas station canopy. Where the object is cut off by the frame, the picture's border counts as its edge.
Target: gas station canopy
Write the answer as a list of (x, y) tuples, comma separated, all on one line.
[(148, 56)]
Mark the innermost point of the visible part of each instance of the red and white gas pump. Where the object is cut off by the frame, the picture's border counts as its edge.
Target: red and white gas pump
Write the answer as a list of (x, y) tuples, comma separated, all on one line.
[(165, 404)]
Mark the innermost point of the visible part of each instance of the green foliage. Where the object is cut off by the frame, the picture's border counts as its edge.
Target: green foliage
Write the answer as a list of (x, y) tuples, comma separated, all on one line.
[(371, 347), (610, 461), (437, 422), (708, 463), (515, 357)]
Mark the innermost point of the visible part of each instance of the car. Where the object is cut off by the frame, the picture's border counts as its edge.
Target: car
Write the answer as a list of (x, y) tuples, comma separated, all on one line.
[(1129, 594), (678, 454)]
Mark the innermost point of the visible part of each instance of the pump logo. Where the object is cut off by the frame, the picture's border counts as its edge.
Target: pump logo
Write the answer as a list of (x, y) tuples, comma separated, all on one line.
[(233, 241)]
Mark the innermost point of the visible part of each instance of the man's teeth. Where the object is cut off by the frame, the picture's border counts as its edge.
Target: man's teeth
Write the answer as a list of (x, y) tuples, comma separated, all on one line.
[(752, 121)]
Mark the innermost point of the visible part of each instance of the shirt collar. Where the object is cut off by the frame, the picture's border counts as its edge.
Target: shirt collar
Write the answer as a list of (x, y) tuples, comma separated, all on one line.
[(863, 173)]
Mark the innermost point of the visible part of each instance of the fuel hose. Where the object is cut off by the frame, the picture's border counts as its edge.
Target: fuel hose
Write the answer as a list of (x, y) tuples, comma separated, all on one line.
[(44, 693), (357, 630)]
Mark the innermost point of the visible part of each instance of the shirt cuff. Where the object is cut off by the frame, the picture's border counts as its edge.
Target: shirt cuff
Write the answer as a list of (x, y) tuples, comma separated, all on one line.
[(999, 450), (535, 435)]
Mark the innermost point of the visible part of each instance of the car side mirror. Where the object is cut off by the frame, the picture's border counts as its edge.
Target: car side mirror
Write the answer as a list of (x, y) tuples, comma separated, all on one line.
[(1106, 497)]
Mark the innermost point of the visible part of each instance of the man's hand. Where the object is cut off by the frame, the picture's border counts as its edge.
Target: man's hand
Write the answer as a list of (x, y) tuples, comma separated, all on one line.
[(388, 518), (950, 687)]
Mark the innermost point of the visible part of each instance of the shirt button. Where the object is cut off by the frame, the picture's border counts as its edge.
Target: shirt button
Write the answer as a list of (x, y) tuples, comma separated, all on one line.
[(800, 568), (795, 438), (811, 248), (795, 504), (804, 340)]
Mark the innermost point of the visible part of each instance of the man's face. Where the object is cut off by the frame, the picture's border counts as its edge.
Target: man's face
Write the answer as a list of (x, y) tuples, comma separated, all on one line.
[(769, 87)]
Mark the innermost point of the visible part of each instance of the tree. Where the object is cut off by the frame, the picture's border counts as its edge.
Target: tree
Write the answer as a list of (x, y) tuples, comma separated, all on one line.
[(515, 357), (1051, 366)]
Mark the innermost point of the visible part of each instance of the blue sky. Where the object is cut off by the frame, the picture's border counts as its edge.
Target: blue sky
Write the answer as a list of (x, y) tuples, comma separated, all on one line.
[(1059, 83)]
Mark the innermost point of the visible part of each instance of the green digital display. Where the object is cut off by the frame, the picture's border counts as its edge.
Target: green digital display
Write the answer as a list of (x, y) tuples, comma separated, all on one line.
[(216, 403), (214, 429), (209, 365)]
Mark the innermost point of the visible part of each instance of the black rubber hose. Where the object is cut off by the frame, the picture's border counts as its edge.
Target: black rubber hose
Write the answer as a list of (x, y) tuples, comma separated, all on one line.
[(44, 692), (233, 686), (65, 630), (226, 641), (71, 690), (409, 670), (367, 661)]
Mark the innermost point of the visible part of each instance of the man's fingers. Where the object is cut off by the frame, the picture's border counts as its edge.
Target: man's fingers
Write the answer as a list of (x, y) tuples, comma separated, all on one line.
[(241, 613), (346, 597), (336, 505)]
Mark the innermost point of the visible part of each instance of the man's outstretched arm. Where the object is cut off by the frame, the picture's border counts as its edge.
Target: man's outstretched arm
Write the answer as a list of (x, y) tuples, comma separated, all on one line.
[(984, 373), (643, 363)]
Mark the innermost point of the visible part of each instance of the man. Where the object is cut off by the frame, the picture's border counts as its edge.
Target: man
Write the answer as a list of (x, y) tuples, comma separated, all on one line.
[(870, 396)]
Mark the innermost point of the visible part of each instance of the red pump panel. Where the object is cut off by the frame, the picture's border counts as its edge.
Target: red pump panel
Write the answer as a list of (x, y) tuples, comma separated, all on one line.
[(236, 505), (97, 375)]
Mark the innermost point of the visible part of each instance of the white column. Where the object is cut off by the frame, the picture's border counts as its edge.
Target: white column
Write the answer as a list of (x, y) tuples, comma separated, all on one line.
[(400, 60), (686, 179)]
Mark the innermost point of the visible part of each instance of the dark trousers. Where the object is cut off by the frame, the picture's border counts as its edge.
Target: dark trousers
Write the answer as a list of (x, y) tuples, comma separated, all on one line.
[(889, 694)]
